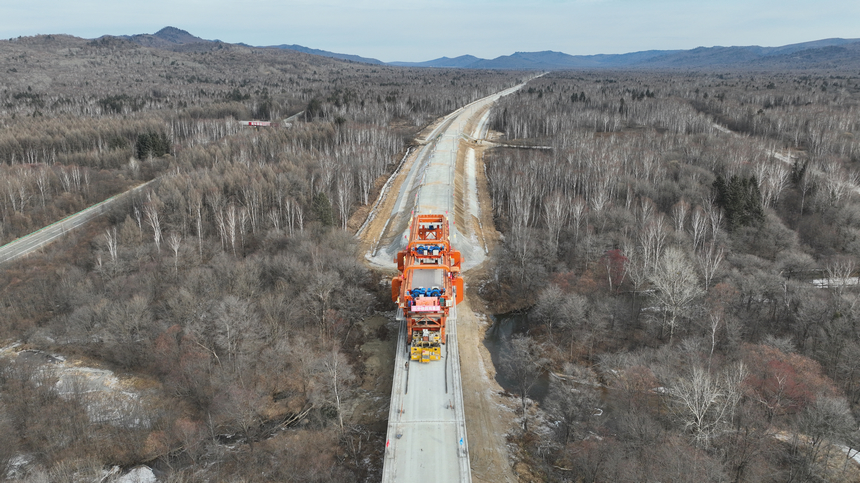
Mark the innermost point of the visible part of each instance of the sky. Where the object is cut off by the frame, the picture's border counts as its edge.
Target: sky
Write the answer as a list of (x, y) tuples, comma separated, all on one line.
[(419, 30)]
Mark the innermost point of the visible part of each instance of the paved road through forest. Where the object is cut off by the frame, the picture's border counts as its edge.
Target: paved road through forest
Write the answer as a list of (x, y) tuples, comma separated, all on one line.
[(427, 439), (29, 243)]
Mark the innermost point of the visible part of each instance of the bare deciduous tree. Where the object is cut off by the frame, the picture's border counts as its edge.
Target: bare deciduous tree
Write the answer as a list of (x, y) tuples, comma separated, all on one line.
[(709, 259), (555, 209), (151, 212), (523, 363), (570, 406), (839, 272), (652, 239), (679, 215), (338, 381), (236, 326), (43, 183), (345, 187), (705, 403), (232, 222), (676, 286), (197, 207), (577, 214), (174, 241), (275, 218), (111, 240), (698, 225), (319, 299), (827, 419)]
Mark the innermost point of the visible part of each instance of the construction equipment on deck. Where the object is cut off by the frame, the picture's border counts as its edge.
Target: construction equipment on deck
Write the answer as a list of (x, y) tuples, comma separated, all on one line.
[(429, 284)]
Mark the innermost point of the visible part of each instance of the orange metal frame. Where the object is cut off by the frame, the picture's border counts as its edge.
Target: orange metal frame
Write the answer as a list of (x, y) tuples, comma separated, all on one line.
[(428, 231)]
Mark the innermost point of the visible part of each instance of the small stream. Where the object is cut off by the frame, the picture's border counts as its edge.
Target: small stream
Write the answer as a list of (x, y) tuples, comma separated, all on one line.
[(498, 339)]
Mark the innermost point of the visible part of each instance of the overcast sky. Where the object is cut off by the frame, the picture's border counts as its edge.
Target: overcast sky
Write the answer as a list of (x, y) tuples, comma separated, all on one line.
[(418, 30)]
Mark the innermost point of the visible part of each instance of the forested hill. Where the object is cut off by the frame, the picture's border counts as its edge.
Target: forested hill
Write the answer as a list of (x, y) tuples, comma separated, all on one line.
[(834, 53)]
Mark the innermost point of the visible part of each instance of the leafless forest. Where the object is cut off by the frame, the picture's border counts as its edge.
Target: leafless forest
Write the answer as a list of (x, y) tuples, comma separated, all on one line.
[(664, 253), (231, 291), (661, 252)]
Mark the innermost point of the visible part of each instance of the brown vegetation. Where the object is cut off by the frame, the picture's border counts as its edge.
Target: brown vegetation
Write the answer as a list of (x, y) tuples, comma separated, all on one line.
[(231, 283), (664, 248)]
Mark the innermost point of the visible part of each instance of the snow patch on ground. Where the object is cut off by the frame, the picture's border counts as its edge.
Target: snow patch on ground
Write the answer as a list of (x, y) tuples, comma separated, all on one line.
[(851, 453), (17, 467), (472, 186), (9, 349), (836, 282), (107, 398), (141, 474)]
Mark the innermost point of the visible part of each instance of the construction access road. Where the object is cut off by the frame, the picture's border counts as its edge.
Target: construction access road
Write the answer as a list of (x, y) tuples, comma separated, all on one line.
[(427, 438), (432, 183)]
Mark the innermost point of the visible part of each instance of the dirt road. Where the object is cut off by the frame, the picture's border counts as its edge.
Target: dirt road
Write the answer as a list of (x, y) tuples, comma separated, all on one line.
[(488, 417)]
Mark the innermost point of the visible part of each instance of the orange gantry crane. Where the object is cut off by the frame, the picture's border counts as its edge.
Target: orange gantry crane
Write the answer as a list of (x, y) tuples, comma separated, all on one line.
[(428, 286)]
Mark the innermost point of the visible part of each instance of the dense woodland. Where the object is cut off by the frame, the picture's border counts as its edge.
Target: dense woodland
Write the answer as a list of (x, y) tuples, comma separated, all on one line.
[(70, 138), (663, 253), (231, 288)]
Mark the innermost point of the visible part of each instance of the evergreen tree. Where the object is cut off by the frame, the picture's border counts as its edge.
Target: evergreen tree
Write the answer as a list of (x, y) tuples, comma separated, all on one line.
[(314, 109), (143, 146), (322, 209), (753, 211), (720, 188), (740, 200), (151, 144), (798, 171)]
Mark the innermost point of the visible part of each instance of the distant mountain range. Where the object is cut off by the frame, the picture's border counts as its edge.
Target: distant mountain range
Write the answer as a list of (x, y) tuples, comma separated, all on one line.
[(820, 54), (324, 53)]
